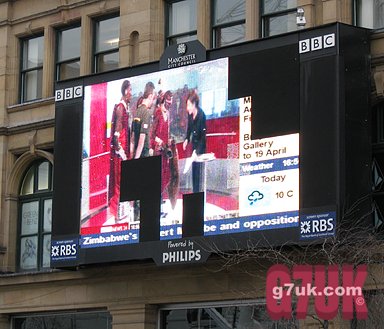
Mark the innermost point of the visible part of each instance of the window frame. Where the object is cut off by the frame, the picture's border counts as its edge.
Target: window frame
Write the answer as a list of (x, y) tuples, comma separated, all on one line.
[(24, 71), (264, 33), (261, 302), (59, 63), (169, 37), (40, 196), (73, 315), (357, 16), (216, 27), (96, 54)]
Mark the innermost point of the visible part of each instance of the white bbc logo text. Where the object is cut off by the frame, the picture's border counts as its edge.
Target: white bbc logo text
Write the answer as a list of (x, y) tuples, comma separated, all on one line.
[(68, 93), (317, 43)]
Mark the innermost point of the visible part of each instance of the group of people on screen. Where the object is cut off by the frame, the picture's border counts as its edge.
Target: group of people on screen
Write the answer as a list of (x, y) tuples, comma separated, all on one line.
[(143, 129)]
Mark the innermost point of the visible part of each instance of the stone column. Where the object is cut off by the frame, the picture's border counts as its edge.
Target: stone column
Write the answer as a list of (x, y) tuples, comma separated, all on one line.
[(204, 22), (5, 322), (309, 12), (9, 61), (157, 28), (252, 19), (346, 12), (49, 62), (378, 78), (86, 58), (337, 11), (135, 21), (133, 316), (330, 11)]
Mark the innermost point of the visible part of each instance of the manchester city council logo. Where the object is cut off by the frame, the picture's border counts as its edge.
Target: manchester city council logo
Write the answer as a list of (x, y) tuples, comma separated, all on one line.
[(181, 48)]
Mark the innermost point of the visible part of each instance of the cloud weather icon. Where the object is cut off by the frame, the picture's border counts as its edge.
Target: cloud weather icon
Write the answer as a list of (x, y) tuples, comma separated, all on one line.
[(255, 196)]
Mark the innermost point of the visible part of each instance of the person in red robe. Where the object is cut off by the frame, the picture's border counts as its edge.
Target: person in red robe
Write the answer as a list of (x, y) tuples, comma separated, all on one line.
[(120, 133), (159, 137)]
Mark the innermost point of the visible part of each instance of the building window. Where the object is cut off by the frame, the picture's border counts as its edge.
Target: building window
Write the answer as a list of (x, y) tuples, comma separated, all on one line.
[(32, 68), (35, 217), (68, 53), (228, 22), (106, 55), (370, 13), (218, 315), (78, 320), (278, 16), (181, 22)]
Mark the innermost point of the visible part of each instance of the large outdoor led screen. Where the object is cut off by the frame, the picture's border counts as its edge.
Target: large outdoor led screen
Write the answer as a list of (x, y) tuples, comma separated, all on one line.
[(247, 185), (213, 156)]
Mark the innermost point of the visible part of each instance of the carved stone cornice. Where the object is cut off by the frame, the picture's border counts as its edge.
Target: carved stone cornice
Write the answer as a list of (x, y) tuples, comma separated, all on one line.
[(8, 131)]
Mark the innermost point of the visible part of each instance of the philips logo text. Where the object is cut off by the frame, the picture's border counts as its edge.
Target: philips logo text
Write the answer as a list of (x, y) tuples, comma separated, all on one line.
[(181, 256)]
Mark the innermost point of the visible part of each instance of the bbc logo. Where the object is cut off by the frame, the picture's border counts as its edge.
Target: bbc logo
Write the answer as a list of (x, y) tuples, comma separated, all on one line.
[(317, 43), (68, 93)]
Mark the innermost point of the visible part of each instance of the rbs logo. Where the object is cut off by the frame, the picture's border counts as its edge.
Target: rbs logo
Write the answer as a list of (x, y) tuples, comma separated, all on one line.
[(317, 43), (316, 226), (61, 250)]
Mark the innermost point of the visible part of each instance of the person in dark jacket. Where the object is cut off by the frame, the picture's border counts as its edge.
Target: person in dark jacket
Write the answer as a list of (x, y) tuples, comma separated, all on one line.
[(196, 135)]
